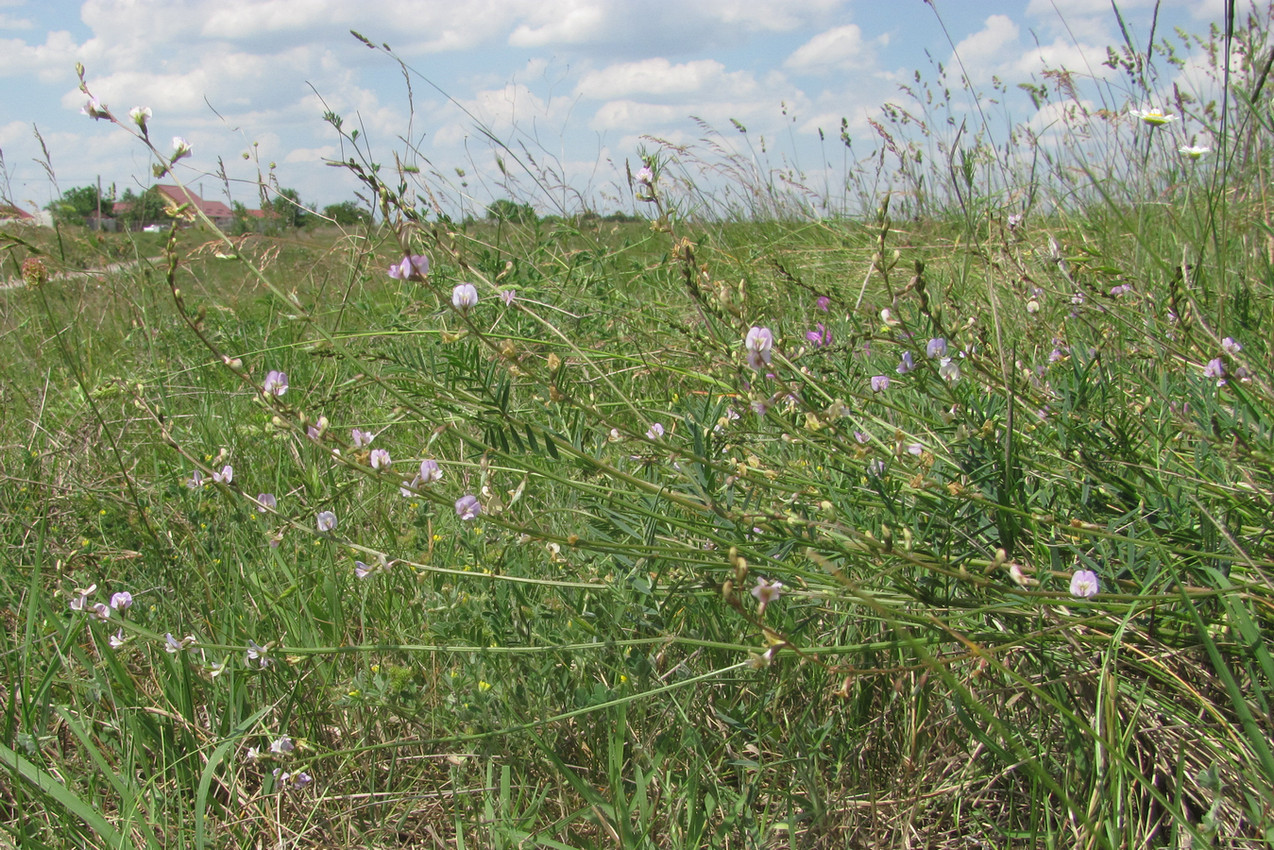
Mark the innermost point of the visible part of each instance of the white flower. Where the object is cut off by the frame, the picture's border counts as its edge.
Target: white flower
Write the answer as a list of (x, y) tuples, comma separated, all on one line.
[(760, 345), (1154, 116), (140, 115), (464, 297), (95, 109), (1193, 151), (181, 148), (1084, 584), (949, 369)]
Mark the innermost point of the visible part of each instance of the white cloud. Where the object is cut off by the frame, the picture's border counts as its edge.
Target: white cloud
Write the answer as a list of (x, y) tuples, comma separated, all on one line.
[(319, 154), (570, 22), (658, 76), (770, 16), (51, 60), (998, 34), (841, 48), (9, 22)]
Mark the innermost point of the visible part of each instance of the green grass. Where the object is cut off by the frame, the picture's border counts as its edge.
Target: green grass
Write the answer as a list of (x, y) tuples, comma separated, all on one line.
[(584, 664)]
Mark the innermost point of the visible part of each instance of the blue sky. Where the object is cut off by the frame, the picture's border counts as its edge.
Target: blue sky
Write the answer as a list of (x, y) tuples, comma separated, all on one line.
[(582, 84)]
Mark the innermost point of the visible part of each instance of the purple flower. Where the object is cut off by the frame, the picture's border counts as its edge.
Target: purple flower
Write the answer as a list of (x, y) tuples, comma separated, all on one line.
[(122, 600), (360, 438), (429, 471), (412, 267), (908, 363), (468, 507), (1084, 584), (1215, 369), (379, 459), (1120, 290), (100, 611), (645, 175), (654, 432), (823, 303), (760, 344), (276, 383), (1230, 347), (1014, 220), (195, 481), (266, 502), (879, 383), (282, 745), (820, 337), (464, 297), (508, 296), (326, 521), (937, 347), (225, 476), (361, 570)]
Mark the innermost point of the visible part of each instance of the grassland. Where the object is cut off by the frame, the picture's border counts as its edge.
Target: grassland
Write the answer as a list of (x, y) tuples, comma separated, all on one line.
[(827, 601)]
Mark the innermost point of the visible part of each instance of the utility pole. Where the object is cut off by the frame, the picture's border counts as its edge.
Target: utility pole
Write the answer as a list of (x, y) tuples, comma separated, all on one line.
[(99, 203)]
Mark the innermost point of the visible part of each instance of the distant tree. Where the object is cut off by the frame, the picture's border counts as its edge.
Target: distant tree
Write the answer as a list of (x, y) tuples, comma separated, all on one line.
[(506, 210), (76, 205), (243, 222), (288, 209), (347, 213), (137, 211)]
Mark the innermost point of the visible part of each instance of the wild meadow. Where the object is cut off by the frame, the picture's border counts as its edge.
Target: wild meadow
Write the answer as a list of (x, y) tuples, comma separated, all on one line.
[(929, 509)]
